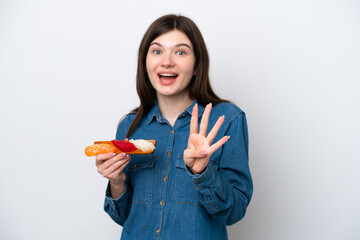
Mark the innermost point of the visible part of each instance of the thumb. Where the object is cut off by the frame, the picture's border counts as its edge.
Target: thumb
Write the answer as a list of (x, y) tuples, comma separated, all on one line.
[(194, 153)]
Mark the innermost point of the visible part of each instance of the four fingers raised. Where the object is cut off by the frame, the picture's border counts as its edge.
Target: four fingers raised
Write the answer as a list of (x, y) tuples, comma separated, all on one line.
[(204, 125)]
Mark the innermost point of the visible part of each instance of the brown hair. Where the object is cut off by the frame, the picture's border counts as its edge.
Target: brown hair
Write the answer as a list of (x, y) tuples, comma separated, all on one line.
[(199, 86)]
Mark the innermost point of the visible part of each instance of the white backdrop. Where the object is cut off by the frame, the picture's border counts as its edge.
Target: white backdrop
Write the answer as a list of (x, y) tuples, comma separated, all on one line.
[(67, 72)]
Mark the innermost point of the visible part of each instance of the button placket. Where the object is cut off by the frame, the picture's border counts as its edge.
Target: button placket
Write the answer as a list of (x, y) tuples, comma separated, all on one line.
[(169, 151)]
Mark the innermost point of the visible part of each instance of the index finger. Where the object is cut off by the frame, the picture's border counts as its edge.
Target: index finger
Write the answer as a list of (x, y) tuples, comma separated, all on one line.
[(205, 120), (194, 120), (104, 156)]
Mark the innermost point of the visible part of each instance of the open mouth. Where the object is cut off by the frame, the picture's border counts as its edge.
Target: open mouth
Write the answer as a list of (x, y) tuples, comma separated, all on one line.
[(167, 75), (167, 78)]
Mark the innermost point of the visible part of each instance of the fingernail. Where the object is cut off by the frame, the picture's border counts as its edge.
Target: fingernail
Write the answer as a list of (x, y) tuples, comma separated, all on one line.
[(123, 154)]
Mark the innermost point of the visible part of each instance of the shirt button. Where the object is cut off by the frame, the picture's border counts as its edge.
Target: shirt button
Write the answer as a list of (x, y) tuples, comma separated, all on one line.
[(157, 231), (162, 203), (183, 115), (135, 165), (169, 153), (165, 179), (172, 131)]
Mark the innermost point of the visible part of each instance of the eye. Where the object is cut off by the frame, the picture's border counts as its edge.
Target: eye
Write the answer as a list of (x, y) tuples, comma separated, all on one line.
[(157, 52), (181, 53)]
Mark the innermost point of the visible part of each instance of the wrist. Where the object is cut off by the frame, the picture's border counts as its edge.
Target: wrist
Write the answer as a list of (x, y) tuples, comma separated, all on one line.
[(196, 172), (117, 189)]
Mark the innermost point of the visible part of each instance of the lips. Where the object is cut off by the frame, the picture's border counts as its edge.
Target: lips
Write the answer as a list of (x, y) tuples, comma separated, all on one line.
[(167, 78)]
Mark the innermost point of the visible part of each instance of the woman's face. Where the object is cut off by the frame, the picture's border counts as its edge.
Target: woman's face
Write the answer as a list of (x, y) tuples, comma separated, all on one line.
[(170, 63)]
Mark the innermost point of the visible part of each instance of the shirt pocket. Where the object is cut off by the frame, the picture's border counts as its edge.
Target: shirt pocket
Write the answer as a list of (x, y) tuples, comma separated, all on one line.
[(141, 171), (185, 189)]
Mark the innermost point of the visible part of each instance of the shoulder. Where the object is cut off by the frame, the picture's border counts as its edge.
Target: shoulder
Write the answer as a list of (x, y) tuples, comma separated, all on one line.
[(235, 123), (124, 125), (228, 109), (126, 120), (235, 117)]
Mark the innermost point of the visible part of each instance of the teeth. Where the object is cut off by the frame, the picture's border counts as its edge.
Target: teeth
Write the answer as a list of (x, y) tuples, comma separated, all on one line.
[(167, 75)]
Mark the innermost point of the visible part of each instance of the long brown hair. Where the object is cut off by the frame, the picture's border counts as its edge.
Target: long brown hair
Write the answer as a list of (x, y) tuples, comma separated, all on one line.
[(199, 86)]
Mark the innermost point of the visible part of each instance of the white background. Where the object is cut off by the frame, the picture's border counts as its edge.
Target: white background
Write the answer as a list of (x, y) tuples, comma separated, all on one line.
[(67, 72)]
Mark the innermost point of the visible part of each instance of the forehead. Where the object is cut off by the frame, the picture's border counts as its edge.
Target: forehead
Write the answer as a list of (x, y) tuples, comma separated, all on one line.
[(173, 37)]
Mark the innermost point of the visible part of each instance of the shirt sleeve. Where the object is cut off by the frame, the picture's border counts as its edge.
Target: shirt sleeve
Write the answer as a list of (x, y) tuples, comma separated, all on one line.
[(118, 209), (226, 191)]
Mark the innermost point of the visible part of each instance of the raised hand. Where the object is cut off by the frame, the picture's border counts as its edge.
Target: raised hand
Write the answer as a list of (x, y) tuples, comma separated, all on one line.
[(199, 148)]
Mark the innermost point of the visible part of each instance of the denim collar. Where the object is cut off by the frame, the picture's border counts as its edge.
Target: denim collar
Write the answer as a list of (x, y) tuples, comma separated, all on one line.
[(155, 112)]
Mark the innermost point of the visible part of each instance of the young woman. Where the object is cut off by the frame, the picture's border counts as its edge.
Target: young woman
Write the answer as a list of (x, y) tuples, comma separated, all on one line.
[(197, 181)]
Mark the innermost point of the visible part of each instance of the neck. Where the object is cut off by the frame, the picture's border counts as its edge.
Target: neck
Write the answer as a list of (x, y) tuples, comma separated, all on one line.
[(172, 107)]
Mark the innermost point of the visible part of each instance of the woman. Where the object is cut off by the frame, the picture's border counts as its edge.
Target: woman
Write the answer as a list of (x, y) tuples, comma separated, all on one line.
[(197, 181)]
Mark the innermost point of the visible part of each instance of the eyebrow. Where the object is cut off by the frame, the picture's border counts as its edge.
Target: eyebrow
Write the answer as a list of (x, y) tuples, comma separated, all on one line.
[(177, 45)]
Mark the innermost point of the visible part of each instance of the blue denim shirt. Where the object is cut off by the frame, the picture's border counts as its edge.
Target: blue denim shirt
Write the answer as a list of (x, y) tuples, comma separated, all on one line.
[(164, 200)]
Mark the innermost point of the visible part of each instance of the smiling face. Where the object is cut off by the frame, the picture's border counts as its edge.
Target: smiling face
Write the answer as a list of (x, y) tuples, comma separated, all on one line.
[(170, 64)]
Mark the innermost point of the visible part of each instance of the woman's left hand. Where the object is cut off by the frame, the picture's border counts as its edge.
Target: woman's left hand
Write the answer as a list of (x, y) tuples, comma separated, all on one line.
[(199, 149)]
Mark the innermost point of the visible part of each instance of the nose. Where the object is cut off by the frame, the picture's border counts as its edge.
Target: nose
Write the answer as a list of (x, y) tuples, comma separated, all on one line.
[(168, 60)]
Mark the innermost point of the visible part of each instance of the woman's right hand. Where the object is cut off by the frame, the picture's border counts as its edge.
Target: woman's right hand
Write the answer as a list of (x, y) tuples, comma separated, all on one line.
[(111, 166)]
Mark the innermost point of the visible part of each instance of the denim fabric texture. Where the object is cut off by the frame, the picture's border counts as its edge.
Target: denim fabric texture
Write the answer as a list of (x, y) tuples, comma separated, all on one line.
[(164, 200)]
